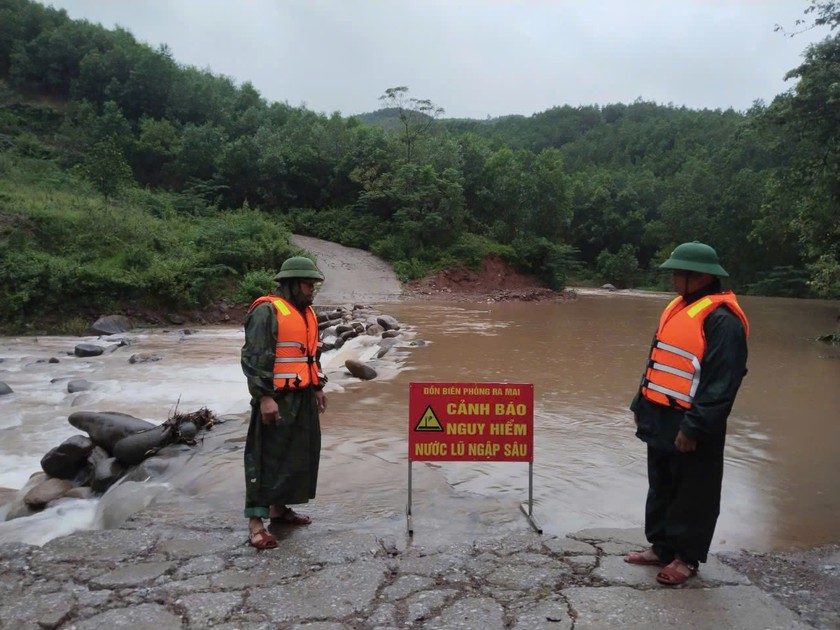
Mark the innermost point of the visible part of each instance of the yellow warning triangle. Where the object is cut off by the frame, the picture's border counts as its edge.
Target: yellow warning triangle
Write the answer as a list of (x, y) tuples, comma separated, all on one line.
[(428, 421)]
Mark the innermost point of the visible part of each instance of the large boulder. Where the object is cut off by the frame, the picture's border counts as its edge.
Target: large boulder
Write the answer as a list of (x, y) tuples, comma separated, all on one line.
[(330, 316), (47, 491), (133, 449), (387, 322), (374, 330), (65, 460), (110, 325), (360, 370), (106, 428), (88, 350), (348, 334)]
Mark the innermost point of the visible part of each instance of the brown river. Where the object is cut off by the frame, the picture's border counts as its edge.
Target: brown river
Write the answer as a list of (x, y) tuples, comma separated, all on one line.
[(782, 478), (782, 475)]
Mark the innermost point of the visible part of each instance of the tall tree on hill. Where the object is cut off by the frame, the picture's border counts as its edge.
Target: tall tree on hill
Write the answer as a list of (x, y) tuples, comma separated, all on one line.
[(104, 166), (806, 194), (416, 115)]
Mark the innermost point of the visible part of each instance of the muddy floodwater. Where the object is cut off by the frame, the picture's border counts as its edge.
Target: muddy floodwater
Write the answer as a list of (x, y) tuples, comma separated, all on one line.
[(584, 359)]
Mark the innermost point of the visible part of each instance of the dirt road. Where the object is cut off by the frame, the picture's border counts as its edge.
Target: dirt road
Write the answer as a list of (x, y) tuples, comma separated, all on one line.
[(353, 276)]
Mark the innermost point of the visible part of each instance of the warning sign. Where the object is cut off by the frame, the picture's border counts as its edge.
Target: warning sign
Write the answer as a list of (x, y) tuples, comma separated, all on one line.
[(471, 422), (428, 421)]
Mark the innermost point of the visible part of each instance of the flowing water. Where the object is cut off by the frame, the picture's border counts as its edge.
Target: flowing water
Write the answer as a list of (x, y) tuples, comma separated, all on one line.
[(584, 358)]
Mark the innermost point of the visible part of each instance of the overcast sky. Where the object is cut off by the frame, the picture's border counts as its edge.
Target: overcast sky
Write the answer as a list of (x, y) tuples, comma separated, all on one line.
[(477, 58)]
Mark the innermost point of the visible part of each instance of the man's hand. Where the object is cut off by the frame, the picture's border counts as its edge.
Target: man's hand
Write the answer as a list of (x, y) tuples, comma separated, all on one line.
[(269, 412), (321, 400), (684, 443)]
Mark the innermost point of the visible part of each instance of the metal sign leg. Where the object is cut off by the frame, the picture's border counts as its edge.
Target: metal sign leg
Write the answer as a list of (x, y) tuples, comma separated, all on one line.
[(409, 524), (529, 513)]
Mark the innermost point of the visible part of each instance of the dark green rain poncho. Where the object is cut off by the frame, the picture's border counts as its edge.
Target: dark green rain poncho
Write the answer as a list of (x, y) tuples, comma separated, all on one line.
[(281, 460), (683, 501)]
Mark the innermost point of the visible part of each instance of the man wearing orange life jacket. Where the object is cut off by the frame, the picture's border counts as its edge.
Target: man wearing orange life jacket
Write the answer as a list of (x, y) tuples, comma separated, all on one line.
[(280, 360), (696, 364)]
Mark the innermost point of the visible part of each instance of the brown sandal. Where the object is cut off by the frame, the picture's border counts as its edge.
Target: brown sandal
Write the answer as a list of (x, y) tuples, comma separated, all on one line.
[(638, 557), (671, 576), (261, 539), (290, 517)]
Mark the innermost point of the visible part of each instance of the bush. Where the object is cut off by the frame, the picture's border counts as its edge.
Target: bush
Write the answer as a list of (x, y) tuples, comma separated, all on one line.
[(243, 240), (253, 285), (620, 269), (472, 249), (411, 269), (28, 145), (105, 167), (387, 248), (549, 262), (343, 225)]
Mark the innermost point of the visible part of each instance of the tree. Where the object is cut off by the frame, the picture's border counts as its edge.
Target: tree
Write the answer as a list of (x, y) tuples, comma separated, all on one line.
[(620, 268), (429, 214), (824, 12), (198, 154), (416, 116), (105, 167), (806, 194), (155, 148)]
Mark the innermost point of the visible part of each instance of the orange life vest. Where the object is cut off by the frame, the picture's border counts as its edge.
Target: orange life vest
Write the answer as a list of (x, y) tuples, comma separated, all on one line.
[(673, 369), (295, 356)]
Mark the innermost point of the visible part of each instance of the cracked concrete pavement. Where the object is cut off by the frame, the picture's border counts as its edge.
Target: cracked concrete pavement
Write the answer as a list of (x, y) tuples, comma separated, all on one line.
[(179, 564)]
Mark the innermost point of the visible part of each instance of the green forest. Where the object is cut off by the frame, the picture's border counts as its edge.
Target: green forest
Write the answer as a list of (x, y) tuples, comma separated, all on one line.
[(128, 178)]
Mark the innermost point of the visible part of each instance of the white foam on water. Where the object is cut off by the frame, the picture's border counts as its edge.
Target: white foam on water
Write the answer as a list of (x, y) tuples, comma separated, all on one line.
[(16, 470), (65, 518), (193, 371)]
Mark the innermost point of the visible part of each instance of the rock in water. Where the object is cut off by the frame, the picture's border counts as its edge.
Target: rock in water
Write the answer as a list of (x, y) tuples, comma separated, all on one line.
[(387, 322), (107, 472), (110, 325), (47, 491), (108, 427), (133, 449), (88, 350), (78, 385), (360, 370), (65, 460)]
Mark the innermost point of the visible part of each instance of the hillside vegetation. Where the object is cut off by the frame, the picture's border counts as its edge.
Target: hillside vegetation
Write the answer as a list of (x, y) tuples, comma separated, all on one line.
[(127, 178)]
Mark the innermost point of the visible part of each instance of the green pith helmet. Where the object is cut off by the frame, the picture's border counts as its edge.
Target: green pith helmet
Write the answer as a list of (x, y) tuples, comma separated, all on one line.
[(299, 267), (695, 256)]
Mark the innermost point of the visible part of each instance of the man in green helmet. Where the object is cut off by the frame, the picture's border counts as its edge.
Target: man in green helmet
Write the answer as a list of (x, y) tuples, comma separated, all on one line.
[(696, 363), (280, 360)]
